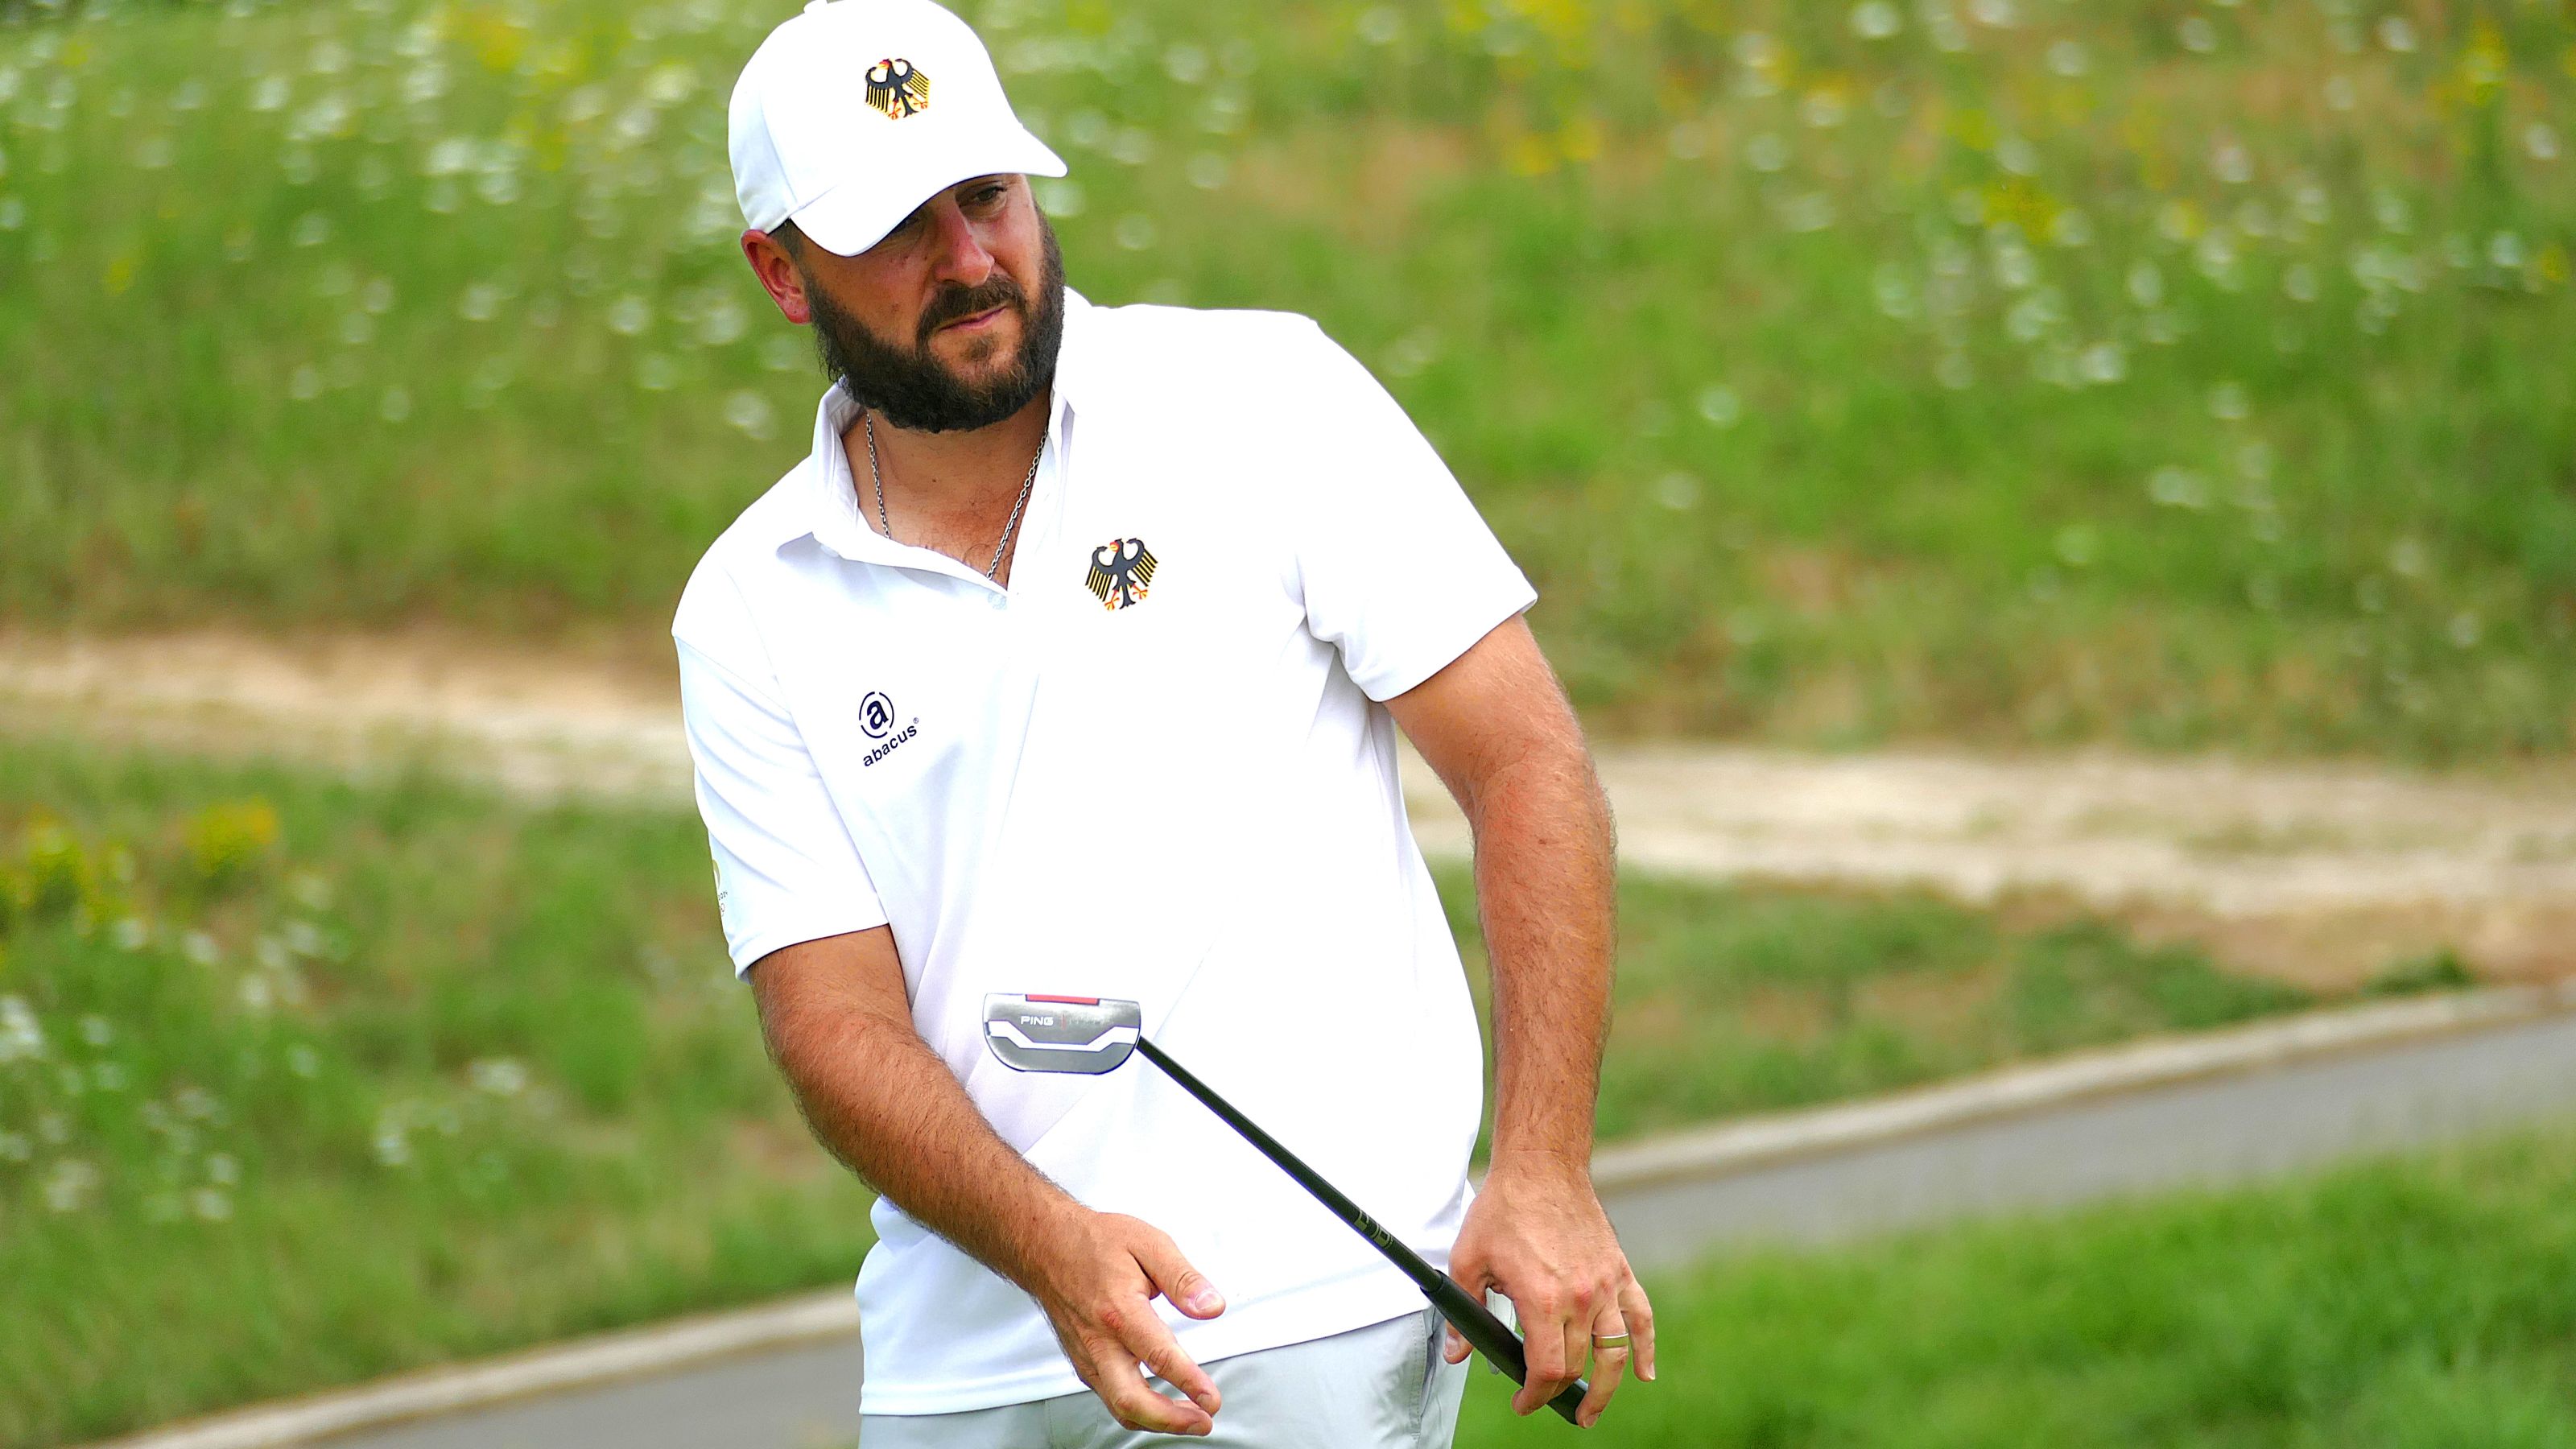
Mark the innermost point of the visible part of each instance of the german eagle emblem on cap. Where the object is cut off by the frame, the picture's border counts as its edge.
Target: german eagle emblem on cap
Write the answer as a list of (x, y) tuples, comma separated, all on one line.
[(1120, 570), (895, 88)]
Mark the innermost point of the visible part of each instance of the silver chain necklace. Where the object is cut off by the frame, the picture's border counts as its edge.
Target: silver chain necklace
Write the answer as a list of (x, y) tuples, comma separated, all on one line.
[(867, 416)]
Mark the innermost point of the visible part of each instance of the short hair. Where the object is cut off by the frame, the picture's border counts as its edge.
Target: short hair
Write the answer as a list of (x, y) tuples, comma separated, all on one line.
[(788, 235)]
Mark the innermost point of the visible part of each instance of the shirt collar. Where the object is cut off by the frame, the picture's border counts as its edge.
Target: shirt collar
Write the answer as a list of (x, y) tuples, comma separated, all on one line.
[(827, 506)]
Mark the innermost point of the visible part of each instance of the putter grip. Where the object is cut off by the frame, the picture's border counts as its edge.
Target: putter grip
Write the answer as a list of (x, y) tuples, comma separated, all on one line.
[(1474, 1321), (1477, 1324)]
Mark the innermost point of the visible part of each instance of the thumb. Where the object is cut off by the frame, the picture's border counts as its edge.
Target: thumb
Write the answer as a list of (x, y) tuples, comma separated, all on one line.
[(1185, 1287)]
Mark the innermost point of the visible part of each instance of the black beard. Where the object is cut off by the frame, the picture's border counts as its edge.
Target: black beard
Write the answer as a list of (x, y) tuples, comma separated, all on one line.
[(911, 387)]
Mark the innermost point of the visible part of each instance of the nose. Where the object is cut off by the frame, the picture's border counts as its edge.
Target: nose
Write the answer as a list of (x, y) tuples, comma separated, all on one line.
[(957, 252)]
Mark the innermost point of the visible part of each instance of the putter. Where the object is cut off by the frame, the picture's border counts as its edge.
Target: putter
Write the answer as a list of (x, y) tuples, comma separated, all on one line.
[(1092, 1035)]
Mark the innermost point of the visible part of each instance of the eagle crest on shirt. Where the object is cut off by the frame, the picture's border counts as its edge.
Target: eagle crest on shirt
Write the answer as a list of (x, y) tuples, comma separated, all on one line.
[(1120, 570), (895, 88)]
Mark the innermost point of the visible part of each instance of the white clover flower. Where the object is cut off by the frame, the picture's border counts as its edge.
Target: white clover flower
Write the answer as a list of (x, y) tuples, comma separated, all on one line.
[(750, 412), (722, 323), (500, 1076), (1058, 197), (69, 1184), (2174, 487), (21, 1037)]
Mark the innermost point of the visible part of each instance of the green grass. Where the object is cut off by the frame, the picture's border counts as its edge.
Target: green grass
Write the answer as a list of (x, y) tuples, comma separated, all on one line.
[(2013, 370), (1741, 999), (2410, 1304), (305, 1081), (302, 1083)]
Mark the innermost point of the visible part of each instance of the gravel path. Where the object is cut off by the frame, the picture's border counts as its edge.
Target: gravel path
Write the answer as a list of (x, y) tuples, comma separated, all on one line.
[(2320, 872)]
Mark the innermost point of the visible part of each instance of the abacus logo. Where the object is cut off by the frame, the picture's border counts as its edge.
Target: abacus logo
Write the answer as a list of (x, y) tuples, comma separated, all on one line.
[(876, 715), (876, 721)]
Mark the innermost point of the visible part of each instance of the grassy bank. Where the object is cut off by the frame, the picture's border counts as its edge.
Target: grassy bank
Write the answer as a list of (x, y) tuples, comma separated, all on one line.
[(2018, 371), (2413, 1304), (1737, 1000), (303, 1081)]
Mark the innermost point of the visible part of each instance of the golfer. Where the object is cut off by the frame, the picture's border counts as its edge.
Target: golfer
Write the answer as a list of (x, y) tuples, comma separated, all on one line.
[(1070, 661)]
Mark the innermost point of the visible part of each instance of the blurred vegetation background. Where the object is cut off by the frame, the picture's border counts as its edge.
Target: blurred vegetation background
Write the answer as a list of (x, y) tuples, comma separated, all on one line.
[(2003, 370), (304, 1079)]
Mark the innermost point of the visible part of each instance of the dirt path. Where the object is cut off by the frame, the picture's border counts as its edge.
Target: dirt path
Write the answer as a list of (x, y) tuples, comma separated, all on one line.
[(2326, 873)]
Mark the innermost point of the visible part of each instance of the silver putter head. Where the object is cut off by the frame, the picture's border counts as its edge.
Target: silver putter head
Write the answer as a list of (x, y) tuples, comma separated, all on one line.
[(1085, 1034)]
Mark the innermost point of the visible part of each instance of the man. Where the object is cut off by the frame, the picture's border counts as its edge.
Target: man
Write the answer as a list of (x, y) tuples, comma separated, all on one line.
[(1069, 662)]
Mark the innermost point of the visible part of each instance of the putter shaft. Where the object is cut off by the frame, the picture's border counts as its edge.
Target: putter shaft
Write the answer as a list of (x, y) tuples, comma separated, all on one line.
[(1474, 1322)]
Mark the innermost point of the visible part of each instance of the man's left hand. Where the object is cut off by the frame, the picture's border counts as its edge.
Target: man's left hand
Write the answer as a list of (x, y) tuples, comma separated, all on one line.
[(1537, 1235)]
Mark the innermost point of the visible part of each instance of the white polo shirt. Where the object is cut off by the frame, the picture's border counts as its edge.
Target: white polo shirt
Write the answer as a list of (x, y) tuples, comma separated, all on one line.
[(1168, 783)]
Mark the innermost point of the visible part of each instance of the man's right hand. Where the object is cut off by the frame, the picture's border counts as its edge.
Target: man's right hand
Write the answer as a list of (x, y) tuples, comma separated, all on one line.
[(1097, 1280)]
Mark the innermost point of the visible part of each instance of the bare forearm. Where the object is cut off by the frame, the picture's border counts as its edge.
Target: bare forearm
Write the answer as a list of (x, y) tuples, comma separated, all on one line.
[(1545, 885), (887, 1106), (840, 1028)]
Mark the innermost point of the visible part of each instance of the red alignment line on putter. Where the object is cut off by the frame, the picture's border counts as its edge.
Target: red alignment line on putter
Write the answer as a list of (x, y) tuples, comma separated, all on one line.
[(1066, 1000)]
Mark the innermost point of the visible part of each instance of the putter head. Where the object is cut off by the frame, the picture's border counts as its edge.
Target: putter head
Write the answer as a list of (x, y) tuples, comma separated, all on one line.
[(1088, 1035)]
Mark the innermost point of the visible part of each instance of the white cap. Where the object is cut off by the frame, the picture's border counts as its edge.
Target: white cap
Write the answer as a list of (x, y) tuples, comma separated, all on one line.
[(856, 111)]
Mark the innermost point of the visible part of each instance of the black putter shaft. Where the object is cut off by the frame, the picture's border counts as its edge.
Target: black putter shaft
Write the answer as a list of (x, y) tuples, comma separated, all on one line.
[(1475, 1322)]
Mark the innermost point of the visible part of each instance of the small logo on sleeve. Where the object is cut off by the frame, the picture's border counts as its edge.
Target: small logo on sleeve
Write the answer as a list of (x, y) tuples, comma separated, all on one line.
[(1120, 570), (895, 88)]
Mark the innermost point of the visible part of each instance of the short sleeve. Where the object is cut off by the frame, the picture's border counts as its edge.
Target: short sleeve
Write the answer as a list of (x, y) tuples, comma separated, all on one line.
[(786, 870), (1398, 570)]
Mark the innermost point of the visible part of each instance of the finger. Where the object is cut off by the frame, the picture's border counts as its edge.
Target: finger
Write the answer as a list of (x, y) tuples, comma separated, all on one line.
[(1117, 1377), (1578, 1348), (1545, 1338), (1608, 1366), (1185, 1287), (1134, 1404), (1152, 1343), (1639, 1314), (1453, 1349)]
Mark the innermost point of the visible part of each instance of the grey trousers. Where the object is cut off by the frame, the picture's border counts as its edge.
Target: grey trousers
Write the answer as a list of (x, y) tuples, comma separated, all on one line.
[(1379, 1387)]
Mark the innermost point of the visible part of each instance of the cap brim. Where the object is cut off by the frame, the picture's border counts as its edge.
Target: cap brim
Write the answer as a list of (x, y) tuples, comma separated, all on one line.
[(856, 213)]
